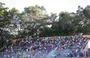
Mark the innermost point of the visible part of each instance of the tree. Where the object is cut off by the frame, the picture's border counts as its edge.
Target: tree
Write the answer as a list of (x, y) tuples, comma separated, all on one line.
[(3, 15), (86, 13), (3, 23), (33, 18)]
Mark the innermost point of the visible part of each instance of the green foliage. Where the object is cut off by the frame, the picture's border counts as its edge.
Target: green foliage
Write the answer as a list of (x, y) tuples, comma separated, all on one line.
[(86, 12), (33, 19), (35, 22), (36, 11), (3, 15)]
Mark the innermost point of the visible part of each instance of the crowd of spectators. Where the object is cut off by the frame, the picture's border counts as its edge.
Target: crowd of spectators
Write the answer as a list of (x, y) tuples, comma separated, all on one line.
[(47, 47)]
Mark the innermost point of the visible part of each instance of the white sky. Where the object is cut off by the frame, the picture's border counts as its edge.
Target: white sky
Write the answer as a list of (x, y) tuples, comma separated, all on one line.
[(55, 6)]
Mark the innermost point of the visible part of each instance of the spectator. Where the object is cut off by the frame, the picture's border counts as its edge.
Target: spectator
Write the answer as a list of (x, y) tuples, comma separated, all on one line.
[(88, 53)]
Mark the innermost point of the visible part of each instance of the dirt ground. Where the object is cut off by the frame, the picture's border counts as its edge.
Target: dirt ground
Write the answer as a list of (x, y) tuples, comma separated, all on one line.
[(87, 36)]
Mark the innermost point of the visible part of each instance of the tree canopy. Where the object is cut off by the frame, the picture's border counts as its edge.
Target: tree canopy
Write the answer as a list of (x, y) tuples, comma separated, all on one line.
[(34, 21)]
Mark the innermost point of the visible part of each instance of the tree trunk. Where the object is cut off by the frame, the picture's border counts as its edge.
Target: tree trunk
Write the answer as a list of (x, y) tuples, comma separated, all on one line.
[(1, 38)]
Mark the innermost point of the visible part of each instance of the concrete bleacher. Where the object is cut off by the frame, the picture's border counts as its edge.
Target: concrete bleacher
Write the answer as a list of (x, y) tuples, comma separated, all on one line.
[(48, 53)]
